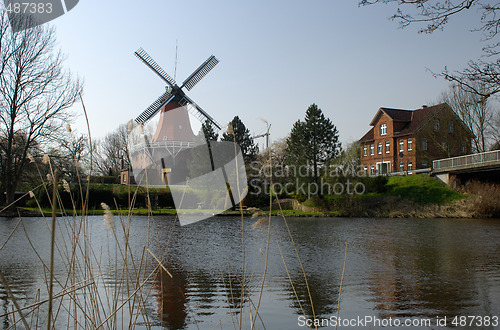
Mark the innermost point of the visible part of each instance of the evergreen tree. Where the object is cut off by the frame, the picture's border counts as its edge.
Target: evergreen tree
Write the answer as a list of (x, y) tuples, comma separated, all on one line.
[(208, 131), (243, 138), (199, 161), (313, 142)]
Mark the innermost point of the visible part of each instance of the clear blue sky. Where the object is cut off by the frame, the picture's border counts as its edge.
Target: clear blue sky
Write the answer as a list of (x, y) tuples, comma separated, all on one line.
[(276, 58)]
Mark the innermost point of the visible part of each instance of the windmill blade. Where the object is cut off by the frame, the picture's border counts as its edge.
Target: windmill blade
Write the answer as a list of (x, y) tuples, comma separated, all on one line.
[(144, 117), (199, 73), (144, 57), (198, 112)]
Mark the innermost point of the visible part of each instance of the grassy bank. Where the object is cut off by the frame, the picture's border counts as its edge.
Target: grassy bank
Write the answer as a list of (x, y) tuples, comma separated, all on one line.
[(421, 189), (416, 196), (400, 196)]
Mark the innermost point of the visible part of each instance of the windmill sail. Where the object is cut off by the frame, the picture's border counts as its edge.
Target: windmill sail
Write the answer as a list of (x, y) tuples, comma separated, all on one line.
[(198, 112), (144, 57), (153, 109), (199, 73)]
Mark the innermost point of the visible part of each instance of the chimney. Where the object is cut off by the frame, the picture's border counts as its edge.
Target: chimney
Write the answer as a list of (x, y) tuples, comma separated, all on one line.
[(424, 106)]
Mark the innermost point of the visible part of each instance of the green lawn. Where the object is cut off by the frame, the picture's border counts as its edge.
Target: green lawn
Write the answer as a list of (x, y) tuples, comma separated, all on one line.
[(421, 189)]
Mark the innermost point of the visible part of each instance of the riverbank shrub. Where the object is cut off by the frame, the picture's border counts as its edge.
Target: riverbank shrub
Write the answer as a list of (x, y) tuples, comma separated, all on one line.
[(486, 201), (111, 194)]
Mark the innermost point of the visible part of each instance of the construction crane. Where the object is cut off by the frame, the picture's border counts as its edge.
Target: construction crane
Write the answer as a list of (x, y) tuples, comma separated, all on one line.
[(265, 134)]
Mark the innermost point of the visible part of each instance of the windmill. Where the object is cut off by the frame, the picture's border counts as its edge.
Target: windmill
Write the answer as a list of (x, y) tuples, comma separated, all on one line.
[(214, 172), (173, 133), (174, 96)]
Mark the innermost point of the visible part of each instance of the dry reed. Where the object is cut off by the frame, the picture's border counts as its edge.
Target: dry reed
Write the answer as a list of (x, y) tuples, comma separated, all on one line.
[(81, 295)]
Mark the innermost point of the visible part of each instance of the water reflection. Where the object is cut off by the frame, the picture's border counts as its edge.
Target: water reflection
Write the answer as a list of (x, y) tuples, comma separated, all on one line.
[(322, 295), (395, 268), (171, 296), (430, 269)]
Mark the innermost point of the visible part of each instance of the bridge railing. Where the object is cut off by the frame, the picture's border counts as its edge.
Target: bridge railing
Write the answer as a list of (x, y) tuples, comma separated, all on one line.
[(463, 161)]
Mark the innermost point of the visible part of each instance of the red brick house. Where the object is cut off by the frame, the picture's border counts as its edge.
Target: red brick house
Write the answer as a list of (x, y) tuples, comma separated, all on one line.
[(407, 140)]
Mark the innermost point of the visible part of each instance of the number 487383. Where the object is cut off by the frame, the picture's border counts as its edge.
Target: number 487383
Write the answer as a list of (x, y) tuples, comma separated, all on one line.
[(475, 321), (29, 8)]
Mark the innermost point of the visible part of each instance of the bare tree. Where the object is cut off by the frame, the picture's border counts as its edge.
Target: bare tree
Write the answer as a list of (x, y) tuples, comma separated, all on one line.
[(476, 113), (71, 156), (434, 14), (112, 153), (496, 132), (350, 158), (35, 97), (271, 163)]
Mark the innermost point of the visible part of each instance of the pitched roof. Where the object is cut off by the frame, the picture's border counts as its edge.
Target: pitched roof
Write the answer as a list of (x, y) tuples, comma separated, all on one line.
[(394, 114), (369, 136), (419, 118), (414, 119)]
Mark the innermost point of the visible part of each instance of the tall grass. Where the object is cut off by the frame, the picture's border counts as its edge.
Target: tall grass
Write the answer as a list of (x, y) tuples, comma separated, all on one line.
[(486, 200), (89, 294)]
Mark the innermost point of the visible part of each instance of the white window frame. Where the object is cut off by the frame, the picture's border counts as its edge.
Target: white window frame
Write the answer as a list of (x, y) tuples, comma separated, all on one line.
[(383, 129), (401, 145), (365, 150), (409, 166), (387, 147), (379, 148), (409, 144), (372, 149)]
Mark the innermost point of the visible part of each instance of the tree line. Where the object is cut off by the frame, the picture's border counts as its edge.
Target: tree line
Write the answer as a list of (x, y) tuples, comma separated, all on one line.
[(37, 93)]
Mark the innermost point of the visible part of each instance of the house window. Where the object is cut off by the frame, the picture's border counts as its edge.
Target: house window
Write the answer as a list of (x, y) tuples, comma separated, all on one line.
[(424, 144), (464, 147), (372, 169), (379, 149), (424, 164), (410, 144), (387, 147), (436, 125), (451, 127), (444, 146), (371, 149), (365, 169), (383, 129), (410, 165), (401, 145), (365, 151), (401, 166), (124, 178)]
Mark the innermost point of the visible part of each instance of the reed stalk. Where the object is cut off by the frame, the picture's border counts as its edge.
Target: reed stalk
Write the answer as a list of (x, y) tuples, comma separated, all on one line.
[(52, 248)]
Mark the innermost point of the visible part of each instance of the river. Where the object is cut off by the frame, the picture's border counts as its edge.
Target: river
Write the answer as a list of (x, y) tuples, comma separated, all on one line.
[(396, 271)]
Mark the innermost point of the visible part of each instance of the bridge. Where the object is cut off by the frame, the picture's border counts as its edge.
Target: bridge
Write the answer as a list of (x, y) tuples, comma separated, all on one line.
[(484, 166)]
